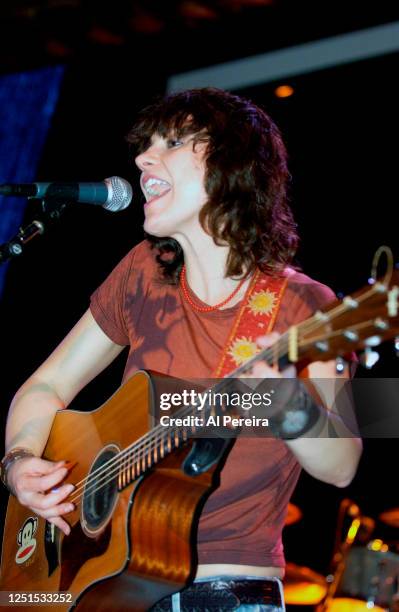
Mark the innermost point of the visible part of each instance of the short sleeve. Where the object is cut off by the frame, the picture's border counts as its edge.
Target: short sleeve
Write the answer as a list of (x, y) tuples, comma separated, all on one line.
[(312, 296), (108, 302), (301, 298), (304, 296)]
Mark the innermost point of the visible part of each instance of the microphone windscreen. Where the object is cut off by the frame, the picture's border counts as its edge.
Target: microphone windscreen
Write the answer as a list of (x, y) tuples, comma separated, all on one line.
[(120, 193)]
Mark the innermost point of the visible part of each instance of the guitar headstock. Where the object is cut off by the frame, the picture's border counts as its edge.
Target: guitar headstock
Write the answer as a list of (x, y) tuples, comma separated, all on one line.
[(357, 322)]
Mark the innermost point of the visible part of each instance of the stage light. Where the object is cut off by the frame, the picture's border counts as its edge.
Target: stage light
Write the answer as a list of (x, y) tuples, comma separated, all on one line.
[(284, 91)]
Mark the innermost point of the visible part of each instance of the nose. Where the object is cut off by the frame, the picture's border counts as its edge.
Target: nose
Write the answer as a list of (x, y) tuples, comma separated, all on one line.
[(147, 158)]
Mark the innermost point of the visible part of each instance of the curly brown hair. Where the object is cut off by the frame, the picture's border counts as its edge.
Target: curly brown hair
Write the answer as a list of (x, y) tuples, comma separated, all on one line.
[(246, 178)]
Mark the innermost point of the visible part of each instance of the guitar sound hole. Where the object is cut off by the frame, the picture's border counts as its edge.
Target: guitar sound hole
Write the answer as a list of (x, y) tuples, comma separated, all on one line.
[(101, 491)]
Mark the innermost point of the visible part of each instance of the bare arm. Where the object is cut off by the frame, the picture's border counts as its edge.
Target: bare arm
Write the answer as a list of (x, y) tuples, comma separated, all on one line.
[(332, 460), (83, 354)]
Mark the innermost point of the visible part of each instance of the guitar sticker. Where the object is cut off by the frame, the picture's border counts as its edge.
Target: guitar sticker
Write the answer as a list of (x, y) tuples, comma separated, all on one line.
[(26, 541)]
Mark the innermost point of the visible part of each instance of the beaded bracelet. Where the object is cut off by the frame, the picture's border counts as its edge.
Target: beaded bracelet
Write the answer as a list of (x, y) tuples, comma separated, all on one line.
[(13, 455)]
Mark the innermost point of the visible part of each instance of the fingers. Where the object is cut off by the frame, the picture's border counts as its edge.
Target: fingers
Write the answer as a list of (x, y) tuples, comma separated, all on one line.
[(38, 486), (61, 524), (50, 500), (268, 340), (42, 466), (262, 370), (49, 504), (52, 511), (44, 483), (28, 467)]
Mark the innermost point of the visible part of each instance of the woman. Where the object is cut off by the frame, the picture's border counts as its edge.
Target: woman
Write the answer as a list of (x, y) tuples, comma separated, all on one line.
[(214, 175)]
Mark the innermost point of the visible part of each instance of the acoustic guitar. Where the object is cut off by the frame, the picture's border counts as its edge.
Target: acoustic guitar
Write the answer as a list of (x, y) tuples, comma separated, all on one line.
[(139, 488)]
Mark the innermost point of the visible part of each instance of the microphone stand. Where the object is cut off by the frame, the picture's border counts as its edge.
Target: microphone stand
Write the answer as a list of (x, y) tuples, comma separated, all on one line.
[(52, 209)]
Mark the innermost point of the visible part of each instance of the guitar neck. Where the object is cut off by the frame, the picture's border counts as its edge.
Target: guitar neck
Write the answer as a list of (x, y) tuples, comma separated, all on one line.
[(365, 319)]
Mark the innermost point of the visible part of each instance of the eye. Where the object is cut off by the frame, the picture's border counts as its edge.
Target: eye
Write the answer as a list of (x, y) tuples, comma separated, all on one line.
[(173, 142)]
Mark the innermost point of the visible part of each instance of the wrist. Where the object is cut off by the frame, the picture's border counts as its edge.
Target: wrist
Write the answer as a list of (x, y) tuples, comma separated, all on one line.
[(298, 416), (14, 455)]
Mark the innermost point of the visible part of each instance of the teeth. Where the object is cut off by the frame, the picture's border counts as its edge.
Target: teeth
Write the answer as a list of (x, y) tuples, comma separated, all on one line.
[(154, 181), (152, 185)]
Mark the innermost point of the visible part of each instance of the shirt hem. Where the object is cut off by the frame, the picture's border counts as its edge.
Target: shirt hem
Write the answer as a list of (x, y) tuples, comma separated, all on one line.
[(239, 557)]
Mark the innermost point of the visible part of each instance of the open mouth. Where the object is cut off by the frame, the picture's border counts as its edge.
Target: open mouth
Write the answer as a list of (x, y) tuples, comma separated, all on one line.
[(154, 187)]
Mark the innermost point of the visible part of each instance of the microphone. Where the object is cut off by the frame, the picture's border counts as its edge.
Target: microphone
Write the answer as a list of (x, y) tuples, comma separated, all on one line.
[(113, 193)]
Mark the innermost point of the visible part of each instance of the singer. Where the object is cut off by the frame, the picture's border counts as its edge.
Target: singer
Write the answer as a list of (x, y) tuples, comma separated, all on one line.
[(211, 285)]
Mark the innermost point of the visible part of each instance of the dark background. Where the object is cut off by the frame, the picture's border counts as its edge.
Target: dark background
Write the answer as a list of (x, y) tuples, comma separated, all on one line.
[(341, 130)]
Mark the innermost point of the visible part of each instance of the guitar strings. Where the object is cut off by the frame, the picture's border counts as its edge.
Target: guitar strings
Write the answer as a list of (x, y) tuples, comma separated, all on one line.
[(270, 354), (147, 441), (154, 436)]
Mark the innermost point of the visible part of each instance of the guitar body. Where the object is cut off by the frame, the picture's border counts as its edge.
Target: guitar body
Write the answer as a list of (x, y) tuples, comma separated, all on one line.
[(130, 545)]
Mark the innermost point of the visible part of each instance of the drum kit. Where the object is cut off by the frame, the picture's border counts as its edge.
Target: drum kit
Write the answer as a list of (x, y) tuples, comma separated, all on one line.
[(364, 572)]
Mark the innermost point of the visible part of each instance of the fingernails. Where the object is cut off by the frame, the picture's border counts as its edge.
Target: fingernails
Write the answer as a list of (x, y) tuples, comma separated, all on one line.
[(67, 488), (65, 463)]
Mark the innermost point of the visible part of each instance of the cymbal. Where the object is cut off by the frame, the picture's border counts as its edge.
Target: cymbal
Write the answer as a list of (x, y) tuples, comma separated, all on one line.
[(294, 514), (390, 517), (303, 586)]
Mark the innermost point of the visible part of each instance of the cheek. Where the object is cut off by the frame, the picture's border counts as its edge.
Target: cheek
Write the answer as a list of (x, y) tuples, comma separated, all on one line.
[(194, 191)]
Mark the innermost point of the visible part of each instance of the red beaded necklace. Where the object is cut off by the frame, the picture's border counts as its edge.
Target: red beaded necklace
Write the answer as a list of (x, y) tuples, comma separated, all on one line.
[(183, 285)]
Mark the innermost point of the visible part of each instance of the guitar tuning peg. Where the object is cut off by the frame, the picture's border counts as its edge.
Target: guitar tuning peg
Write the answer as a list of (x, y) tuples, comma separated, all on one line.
[(340, 365), (369, 358)]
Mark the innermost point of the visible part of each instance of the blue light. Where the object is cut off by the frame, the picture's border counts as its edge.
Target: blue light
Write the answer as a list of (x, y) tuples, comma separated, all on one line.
[(27, 103)]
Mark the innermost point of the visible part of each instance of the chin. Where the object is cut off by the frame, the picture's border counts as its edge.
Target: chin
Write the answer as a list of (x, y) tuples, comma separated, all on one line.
[(159, 230)]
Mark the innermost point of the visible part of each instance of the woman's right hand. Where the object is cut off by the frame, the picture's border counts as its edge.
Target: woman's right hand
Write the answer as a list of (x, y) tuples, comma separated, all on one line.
[(35, 481)]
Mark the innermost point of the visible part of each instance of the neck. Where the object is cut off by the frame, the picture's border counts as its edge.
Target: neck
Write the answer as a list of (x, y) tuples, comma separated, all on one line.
[(206, 268)]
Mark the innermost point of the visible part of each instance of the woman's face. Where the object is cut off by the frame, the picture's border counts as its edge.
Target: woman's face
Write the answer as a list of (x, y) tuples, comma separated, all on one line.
[(172, 181)]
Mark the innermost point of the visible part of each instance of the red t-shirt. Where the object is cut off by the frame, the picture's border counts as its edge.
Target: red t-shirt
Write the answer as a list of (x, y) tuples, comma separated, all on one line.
[(243, 519)]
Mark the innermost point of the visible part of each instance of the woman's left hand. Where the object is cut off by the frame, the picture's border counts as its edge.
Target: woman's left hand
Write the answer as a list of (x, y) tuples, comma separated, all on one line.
[(261, 369)]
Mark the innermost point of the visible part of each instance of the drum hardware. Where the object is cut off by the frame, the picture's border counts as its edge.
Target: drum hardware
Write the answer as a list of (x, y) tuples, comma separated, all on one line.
[(364, 576), (347, 508), (369, 581), (342, 548), (339, 564)]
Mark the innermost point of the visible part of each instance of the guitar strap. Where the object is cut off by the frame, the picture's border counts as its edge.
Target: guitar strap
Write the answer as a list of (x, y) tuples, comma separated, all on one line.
[(256, 317)]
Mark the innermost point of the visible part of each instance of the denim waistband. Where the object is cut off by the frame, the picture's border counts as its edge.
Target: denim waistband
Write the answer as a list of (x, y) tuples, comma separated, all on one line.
[(224, 593)]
